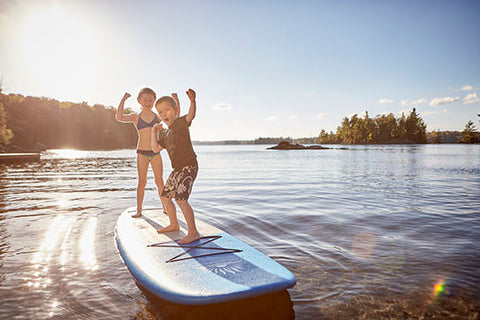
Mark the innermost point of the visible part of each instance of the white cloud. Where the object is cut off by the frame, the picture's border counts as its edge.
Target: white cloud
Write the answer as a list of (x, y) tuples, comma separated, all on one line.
[(466, 87), (322, 116), (414, 103), (445, 100), (386, 101), (272, 118), (429, 113), (294, 117), (420, 101), (471, 98), (222, 106)]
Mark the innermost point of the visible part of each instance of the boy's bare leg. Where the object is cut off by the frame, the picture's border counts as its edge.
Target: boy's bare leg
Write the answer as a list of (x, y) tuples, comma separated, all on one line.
[(187, 210), (172, 216), (142, 168)]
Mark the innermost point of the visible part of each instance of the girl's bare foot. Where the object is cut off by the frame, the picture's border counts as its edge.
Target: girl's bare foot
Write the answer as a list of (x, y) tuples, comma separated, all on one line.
[(169, 228), (137, 215), (190, 238)]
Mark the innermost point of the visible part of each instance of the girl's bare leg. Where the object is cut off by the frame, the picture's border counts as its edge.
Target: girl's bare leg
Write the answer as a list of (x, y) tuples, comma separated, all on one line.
[(142, 168), (157, 167)]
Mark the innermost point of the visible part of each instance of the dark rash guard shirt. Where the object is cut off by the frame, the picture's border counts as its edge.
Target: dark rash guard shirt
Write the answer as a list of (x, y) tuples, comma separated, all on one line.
[(176, 139)]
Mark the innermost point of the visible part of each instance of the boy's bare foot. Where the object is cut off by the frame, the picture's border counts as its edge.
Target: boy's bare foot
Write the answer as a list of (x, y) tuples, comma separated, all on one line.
[(169, 228), (137, 215), (190, 238)]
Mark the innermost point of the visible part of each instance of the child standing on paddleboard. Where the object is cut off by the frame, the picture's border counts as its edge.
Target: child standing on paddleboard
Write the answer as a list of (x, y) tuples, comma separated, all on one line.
[(144, 123), (176, 139)]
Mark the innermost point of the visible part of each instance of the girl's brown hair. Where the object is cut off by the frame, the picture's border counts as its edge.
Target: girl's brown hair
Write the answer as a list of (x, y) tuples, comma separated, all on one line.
[(147, 91)]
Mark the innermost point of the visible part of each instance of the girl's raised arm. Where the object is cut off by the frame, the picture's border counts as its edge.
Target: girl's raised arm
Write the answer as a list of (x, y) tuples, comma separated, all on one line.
[(120, 116)]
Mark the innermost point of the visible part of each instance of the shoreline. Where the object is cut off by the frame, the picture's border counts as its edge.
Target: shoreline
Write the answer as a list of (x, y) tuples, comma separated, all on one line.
[(18, 150)]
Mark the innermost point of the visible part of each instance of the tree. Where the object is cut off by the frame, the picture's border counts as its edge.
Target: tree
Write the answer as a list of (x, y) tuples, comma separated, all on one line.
[(325, 137), (469, 134), (416, 128), (386, 128), (45, 122), (5, 134), (401, 128), (434, 137)]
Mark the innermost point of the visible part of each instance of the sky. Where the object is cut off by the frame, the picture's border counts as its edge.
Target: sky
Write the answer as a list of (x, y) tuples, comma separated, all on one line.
[(263, 68)]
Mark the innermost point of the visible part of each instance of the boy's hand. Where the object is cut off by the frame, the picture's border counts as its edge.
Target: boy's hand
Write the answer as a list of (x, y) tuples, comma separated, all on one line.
[(158, 127), (174, 96), (191, 94), (126, 96)]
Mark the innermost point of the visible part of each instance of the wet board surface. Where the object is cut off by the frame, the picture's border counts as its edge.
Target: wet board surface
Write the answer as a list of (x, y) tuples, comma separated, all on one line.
[(214, 269)]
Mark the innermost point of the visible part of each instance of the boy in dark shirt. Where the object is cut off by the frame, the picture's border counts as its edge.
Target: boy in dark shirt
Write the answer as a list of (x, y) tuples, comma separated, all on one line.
[(176, 139)]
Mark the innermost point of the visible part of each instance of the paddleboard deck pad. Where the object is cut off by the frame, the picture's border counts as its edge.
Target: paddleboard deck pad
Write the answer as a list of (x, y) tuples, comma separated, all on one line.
[(217, 268)]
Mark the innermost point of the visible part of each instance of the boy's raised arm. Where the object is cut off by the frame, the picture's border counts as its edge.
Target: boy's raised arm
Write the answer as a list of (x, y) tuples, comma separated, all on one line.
[(177, 102), (119, 116), (193, 105)]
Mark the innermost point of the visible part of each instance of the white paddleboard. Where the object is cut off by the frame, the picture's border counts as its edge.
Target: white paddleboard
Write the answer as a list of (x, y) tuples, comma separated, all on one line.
[(216, 268)]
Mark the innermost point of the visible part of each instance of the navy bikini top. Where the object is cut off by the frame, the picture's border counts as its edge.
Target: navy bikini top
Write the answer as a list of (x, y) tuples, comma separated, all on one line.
[(143, 124)]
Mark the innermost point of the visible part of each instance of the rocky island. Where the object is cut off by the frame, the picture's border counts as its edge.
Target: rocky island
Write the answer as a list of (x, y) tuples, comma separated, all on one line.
[(285, 145)]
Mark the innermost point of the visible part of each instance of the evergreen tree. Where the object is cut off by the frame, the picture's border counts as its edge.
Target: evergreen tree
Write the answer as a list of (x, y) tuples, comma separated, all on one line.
[(415, 128), (469, 134), (401, 128), (386, 128)]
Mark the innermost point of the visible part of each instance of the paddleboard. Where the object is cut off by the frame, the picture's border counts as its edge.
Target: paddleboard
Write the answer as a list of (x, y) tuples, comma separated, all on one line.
[(217, 268)]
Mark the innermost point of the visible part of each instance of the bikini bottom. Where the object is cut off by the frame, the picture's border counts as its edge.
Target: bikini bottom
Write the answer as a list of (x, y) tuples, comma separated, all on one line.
[(149, 154)]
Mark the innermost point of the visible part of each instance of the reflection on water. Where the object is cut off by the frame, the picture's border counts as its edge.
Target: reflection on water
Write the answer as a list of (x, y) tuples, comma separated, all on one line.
[(48, 248), (69, 153), (87, 245), (373, 232), (64, 252)]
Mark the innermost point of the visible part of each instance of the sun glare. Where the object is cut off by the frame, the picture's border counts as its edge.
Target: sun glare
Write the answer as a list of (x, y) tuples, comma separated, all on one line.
[(69, 153), (58, 50)]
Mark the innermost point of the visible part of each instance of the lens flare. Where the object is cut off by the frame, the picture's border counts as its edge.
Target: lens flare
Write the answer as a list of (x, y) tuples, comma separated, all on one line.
[(440, 289)]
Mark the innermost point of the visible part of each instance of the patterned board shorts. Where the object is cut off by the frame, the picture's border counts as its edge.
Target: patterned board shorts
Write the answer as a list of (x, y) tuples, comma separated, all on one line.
[(180, 182)]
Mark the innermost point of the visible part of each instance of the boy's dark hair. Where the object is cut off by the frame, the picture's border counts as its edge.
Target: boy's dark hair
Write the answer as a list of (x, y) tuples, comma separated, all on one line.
[(147, 91), (167, 99)]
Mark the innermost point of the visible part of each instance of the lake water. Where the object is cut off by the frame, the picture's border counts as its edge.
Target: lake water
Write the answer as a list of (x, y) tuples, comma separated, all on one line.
[(371, 232)]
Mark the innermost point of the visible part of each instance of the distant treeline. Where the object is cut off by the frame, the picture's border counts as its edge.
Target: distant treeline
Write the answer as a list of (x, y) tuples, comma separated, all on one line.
[(388, 129), (32, 123), (381, 129)]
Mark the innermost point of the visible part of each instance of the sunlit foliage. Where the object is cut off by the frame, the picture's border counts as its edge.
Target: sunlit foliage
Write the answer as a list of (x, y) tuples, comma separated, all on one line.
[(51, 124)]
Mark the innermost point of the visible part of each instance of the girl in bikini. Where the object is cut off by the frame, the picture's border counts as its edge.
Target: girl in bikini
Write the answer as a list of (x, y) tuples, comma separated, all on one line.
[(144, 123)]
